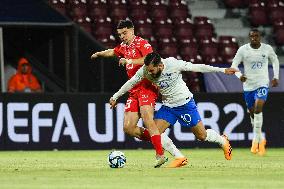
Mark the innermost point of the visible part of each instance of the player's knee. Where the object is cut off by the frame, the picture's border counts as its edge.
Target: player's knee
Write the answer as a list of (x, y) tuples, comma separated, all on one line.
[(146, 117), (257, 110), (201, 137), (128, 129)]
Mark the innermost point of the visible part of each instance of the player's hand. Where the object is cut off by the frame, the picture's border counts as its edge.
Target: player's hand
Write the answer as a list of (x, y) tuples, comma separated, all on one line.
[(94, 56), (274, 82), (230, 71), (243, 78), (122, 62), (112, 103)]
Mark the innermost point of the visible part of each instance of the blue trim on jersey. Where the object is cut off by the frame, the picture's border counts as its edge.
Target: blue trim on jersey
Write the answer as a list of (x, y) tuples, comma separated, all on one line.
[(187, 114), (251, 96)]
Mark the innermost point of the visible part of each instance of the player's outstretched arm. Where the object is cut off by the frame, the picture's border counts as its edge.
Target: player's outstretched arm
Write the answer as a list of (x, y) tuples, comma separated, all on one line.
[(231, 71), (105, 53), (138, 61), (127, 86), (206, 68)]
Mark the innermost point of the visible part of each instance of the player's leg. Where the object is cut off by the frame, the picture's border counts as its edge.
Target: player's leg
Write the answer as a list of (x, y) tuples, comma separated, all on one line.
[(211, 135), (131, 117), (188, 116), (147, 115), (249, 97), (261, 96), (168, 145)]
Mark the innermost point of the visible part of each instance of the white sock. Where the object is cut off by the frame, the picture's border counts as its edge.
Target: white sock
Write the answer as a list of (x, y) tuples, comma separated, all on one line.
[(251, 121), (169, 146), (213, 136), (258, 120)]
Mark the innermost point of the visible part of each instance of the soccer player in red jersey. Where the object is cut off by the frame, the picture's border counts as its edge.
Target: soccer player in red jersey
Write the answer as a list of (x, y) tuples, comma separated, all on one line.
[(142, 97)]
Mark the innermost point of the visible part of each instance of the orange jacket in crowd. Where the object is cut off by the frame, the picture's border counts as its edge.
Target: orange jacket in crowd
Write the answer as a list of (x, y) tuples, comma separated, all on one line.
[(24, 80)]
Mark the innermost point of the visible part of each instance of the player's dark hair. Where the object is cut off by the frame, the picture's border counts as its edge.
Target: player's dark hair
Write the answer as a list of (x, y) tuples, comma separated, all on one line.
[(152, 58), (254, 30), (125, 24)]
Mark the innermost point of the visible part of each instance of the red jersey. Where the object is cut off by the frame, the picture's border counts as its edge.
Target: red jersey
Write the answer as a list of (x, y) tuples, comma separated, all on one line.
[(137, 49)]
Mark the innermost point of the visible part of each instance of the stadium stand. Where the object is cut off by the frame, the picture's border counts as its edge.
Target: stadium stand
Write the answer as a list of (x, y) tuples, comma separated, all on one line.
[(185, 29)]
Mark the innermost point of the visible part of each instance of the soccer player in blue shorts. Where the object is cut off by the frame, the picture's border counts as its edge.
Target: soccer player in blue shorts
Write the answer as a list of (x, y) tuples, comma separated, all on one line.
[(178, 103), (254, 56)]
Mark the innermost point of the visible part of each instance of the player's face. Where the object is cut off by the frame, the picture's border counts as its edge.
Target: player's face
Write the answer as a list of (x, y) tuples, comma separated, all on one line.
[(254, 38), (24, 68), (126, 35), (155, 71)]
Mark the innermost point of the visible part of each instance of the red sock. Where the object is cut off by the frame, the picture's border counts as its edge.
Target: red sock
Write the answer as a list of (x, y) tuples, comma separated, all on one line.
[(145, 135), (156, 141)]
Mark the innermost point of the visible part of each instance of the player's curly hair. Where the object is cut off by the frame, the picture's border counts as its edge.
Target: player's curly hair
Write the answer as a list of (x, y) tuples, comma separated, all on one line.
[(152, 58), (125, 24)]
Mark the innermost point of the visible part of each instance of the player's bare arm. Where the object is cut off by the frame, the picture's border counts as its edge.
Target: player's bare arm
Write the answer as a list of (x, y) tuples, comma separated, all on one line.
[(138, 61), (105, 53), (230, 71)]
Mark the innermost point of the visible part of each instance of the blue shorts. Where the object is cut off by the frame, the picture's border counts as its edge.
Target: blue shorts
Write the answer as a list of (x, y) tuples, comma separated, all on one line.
[(187, 115), (251, 96)]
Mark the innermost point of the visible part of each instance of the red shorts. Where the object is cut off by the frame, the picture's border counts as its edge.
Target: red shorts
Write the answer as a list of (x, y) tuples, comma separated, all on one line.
[(140, 98)]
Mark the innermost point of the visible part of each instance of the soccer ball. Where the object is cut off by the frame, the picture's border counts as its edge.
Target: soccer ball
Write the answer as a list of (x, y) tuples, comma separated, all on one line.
[(116, 159)]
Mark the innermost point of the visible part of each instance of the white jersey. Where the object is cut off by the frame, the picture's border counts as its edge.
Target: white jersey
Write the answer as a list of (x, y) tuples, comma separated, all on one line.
[(170, 83), (256, 65)]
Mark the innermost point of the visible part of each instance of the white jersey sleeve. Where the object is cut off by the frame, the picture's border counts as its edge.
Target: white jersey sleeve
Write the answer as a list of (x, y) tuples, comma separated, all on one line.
[(275, 62), (188, 66), (130, 83), (237, 60)]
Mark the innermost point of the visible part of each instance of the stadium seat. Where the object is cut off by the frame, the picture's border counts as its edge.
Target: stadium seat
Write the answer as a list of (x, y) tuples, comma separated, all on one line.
[(276, 13), (192, 81), (159, 12), (274, 3), (118, 13), (258, 16), (163, 31), (138, 13), (224, 39), (184, 31), (108, 42), (138, 4), (179, 13), (144, 30), (234, 3), (78, 9), (279, 35), (85, 23), (203, 27), (180, 21), (168, 50), (177, 3), (115, 3), (199, 20), (106, 21), (156, 3), (213, 59), (189, 50), (204, 30), (59, 5), (228, 47), (256, 3), (98, 11), (102, 31)]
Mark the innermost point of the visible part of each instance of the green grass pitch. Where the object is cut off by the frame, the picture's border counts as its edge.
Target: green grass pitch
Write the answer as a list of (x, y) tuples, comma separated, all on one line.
[(207, 168)]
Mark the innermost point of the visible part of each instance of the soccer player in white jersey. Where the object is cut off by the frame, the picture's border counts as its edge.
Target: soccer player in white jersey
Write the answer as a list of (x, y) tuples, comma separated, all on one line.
[(178, 103), (254, 56)]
